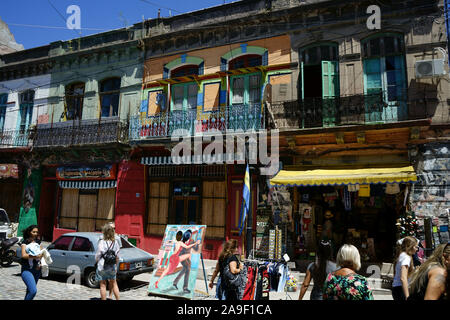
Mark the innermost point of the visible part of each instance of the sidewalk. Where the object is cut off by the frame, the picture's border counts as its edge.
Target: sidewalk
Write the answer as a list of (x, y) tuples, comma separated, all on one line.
[(205, 293)]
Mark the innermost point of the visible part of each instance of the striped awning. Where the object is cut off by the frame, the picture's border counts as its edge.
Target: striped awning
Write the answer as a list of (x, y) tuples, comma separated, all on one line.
[(205, 159), (338, 177), (86, 184)]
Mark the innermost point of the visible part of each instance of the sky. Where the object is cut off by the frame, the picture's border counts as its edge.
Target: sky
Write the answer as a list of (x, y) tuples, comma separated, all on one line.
[(37, 23)]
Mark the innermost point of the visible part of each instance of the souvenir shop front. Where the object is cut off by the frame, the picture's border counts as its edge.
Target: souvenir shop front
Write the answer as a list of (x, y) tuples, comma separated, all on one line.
[(355, 206)]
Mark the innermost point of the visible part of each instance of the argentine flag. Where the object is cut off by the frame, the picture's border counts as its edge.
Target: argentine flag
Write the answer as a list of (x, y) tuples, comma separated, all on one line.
[(245, 206)]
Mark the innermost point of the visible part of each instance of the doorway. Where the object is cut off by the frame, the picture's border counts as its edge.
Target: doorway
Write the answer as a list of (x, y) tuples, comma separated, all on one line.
[(186, 209)]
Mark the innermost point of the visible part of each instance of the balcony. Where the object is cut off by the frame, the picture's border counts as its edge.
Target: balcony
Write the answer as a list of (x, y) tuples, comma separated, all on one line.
[(344, 110), (79, 133), (15, 138), (164, 124)]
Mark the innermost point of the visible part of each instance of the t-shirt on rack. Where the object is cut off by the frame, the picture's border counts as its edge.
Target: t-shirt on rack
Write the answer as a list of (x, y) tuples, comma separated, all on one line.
[(264, 276)]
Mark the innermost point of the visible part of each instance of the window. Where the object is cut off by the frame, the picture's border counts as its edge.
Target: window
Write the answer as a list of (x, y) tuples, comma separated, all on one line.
[(109, 96), (62, 243), (82, 244), (184, 96), (246, 89), (74, 101), (248, 60), (3, 102), (183, 71), (86, 210), (26, 100), (214, 208), (384, 77)]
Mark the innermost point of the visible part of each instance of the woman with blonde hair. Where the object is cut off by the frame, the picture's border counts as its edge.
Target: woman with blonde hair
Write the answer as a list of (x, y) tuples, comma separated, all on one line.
[(107, 258), (430, 281), (345, 283), (404, 267)]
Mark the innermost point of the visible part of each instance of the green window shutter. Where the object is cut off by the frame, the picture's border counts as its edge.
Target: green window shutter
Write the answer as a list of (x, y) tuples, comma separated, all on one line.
[(330, 92), (373, 89)]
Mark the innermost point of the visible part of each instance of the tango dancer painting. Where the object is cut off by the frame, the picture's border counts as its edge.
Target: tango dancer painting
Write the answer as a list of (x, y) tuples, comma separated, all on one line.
[(178, 259)]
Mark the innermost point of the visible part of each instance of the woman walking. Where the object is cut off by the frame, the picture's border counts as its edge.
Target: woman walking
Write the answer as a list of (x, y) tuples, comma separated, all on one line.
[(106, 271), (318, 271), (404, 267), (228, 257), (220, 293), (31, 268), (430, 281), (345, 283)]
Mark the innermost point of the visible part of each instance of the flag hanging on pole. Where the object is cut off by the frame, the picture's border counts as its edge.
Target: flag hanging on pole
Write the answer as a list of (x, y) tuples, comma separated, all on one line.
[(245, 206)]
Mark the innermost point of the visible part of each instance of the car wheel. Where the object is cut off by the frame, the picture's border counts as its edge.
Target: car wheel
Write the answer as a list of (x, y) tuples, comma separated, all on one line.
[(89, 278)]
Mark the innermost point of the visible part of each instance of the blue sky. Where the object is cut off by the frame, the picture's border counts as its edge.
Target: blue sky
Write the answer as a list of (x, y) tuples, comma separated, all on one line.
[(36, 23)]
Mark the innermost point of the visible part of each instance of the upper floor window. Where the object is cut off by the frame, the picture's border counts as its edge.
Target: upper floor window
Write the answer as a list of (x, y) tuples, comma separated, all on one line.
[(248, 60), (26, 101), (109, 97), (384, 67), (183, 71), (319, 74), (3, 102), (184, 96), (74, 101), (382, 46)]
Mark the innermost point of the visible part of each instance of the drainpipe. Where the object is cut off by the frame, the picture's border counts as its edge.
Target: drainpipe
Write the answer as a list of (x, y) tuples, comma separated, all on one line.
[(447, 24)]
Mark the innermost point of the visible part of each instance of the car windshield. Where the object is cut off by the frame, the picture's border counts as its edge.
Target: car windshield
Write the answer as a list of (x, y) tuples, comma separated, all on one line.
[(3, 217)]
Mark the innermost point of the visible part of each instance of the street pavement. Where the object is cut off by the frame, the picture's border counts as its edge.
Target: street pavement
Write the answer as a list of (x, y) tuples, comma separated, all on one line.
[(55, 287)]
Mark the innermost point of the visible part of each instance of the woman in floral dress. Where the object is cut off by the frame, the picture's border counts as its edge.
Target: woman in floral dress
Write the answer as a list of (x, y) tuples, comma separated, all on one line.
[(345, 283)]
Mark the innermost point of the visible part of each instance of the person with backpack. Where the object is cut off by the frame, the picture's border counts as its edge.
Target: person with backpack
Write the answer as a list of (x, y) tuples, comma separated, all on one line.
[(107, 258), (233, 279)]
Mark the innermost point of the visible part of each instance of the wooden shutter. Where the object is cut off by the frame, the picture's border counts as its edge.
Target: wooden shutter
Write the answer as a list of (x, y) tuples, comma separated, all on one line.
[(158, 208), (214, 208), (87, 212), (69, 209), (105, 211), (211, 96)]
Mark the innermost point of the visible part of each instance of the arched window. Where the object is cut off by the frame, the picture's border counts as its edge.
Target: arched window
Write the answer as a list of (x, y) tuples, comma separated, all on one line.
[(109, 97), (319, 77), (384, 69), (26, 101), (74, 101), (248, 60), (183, 71)]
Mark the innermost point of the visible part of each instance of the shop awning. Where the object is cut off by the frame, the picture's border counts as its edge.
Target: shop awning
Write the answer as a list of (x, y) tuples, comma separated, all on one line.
[(320, 177), (105, 184)]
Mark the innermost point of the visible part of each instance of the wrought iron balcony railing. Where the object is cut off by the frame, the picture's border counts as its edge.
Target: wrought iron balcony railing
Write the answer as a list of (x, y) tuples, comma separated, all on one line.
[(15, 138), (77, 133), (237, 117), (345, 110)]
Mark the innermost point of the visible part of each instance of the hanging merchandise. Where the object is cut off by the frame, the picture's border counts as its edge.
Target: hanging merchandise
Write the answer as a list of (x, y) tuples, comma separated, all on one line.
[(305, 197), (347, 199), (364, 190), (353, 187), (392, 188)]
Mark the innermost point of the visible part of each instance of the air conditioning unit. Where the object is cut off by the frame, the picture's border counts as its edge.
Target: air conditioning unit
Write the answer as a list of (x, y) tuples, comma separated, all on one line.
[(429, 68)]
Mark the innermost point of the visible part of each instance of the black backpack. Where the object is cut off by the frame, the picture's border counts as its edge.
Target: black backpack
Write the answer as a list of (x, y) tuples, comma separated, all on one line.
[(109, 256)]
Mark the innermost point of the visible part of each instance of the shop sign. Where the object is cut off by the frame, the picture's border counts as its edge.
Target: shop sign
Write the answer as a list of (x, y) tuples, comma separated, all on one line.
[(86, 173), (9, 171)]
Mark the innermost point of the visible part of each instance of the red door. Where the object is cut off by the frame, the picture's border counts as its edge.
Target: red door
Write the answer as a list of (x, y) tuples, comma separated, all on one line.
[(234, 210)]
